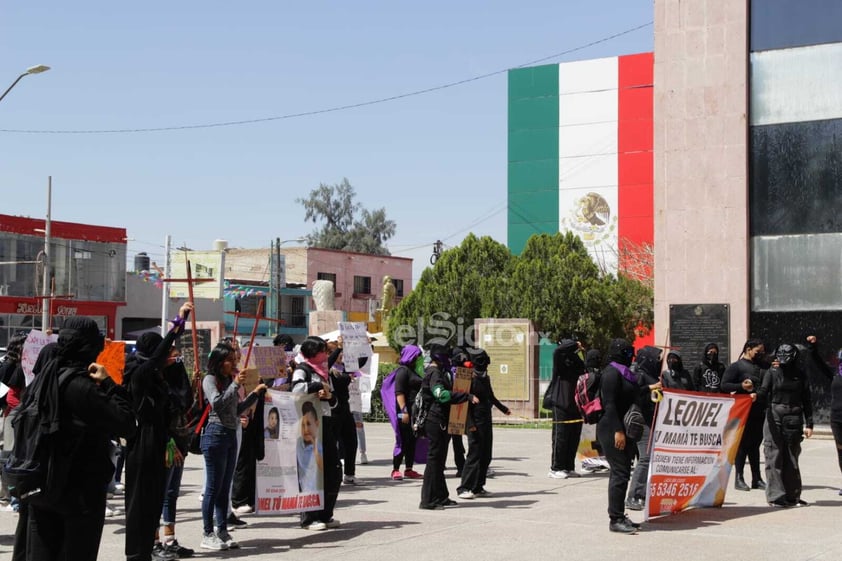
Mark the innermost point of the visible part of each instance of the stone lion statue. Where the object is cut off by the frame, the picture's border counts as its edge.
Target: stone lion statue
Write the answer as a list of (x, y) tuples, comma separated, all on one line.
[(323, 295)]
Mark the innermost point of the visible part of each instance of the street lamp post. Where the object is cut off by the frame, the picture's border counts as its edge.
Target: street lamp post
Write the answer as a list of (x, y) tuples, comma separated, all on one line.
[(31, 70)]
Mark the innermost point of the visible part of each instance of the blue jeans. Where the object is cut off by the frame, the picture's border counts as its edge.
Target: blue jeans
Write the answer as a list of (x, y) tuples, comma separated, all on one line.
[(171, 490), (219, 447)]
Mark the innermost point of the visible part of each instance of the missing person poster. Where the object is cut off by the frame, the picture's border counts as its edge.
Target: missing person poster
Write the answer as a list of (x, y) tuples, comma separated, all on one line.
[(694, 443), (290, 478)]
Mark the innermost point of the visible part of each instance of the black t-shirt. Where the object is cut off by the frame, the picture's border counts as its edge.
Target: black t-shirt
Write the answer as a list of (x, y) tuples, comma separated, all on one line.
[(407, 383)]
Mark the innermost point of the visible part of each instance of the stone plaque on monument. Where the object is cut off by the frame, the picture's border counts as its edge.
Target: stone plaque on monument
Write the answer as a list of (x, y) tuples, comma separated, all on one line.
[(692, 326)]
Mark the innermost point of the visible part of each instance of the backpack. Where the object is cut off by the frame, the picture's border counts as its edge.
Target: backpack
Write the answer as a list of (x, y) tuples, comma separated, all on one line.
[(420, 410), (38, 468), (587, 396)]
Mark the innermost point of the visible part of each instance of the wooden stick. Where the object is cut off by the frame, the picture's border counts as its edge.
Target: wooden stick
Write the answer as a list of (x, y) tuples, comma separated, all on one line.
[(253, 333)]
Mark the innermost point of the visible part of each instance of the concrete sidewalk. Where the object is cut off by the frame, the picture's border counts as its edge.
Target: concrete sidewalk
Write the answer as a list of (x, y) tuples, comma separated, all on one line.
[(528, 515)]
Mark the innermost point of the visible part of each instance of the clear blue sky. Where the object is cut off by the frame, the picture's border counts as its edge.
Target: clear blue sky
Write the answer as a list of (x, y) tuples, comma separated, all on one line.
[(436, 161)]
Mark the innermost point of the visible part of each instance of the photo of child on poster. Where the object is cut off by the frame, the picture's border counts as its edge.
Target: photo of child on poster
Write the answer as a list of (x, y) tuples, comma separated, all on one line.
[(290, 478)]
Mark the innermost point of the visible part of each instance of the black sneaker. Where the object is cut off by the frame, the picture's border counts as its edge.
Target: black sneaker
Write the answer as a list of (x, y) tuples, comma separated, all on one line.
[(160, 553), (623, 526), (629, 521), (635, 504), (181, 551), (425, 506), (234, 522)]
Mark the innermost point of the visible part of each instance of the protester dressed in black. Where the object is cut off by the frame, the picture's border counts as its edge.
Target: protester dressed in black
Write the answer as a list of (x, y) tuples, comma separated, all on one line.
[(479, 428), (146, 470), (676, 377), (619, 391), (646, 367), (408, 377), (707, 376), (789, 418), (89, 409), (745, 377), (567, 424), (437, 387)]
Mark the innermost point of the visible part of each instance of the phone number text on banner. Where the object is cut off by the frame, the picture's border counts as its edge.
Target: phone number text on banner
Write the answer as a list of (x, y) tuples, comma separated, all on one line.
[(694, 443)]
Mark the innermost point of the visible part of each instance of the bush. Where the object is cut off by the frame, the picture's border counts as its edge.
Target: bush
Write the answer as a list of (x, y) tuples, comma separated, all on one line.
[(378, 414)]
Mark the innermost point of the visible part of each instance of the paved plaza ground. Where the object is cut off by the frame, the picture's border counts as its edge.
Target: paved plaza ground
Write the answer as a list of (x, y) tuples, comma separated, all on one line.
[(527, 516)]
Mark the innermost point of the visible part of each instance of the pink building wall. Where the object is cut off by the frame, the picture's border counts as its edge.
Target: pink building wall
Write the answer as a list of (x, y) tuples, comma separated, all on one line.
[(346, 265)]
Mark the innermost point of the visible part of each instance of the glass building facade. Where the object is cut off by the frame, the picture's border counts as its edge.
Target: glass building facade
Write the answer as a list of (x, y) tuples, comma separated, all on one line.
[(795, 176)]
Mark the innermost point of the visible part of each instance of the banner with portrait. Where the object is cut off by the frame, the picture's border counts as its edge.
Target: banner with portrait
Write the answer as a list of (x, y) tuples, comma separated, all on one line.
[(694, 444), (290, 477)]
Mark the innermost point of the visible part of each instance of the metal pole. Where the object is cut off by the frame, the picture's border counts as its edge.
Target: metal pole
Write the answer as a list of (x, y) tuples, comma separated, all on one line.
[(15, 83), (164, 296), (46, 320), (278, 286)]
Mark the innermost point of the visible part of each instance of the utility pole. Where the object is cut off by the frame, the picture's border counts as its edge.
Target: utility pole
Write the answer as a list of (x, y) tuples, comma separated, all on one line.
[(164, 293), (46, 320)]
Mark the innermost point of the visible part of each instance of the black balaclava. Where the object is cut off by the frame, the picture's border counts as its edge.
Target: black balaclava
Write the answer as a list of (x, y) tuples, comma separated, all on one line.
[(440, 354), (621, 352), (481, 361), (79, 341), (711, 358), (674, 361), (146, 344)]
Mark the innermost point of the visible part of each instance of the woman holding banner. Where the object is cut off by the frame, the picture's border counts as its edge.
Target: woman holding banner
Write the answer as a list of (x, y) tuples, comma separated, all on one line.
[(311, 376), (745, 377)]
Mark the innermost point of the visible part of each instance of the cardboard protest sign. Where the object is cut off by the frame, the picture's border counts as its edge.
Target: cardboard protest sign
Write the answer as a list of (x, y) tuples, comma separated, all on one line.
[(35, 341), (270, 361), (113, 358), (290, 477), (459, 412)]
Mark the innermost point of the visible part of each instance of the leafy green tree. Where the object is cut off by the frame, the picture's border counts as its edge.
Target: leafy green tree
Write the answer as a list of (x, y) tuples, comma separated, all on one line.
[(347, 226), (553, 282), (449, 296)]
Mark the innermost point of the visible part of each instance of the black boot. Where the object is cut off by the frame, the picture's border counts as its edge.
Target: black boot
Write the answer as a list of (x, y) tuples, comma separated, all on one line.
[(740, 483), (758, 484)]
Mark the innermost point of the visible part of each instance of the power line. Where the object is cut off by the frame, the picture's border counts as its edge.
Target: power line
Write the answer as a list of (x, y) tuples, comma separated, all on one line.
[(337, 108)]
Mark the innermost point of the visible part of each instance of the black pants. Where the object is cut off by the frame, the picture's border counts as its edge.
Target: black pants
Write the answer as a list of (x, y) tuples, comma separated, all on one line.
[(407, 447), (434, 488), (73, 533), (333, 475), (619, 463), (244, 485), (783, 474), (478, 459), (750, 444), (458, 452), (145, 480), (565, 442), (346, 435), (836, 427)]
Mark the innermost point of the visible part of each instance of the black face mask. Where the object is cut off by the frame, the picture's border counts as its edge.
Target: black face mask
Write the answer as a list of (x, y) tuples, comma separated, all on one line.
[(673, 363), (712, 358)]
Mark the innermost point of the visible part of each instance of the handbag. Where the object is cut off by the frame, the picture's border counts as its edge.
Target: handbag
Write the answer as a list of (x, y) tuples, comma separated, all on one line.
[(195, 446), (634, 422), (549, 395)]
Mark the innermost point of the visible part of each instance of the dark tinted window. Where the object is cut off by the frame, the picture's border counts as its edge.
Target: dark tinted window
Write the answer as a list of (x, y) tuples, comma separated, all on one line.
[(780, 24), (796, 178)]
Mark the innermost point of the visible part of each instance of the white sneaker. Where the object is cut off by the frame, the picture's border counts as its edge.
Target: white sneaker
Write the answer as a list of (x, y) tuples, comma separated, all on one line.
[(333, 523), (466, 494), (316, 526), (363, 458), (212, 541), (349, 480), (560, 474), (119, 488), (244, 509)]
